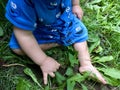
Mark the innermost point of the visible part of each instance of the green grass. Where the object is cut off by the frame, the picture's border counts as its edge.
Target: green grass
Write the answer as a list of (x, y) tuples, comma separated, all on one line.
[(102, 18)]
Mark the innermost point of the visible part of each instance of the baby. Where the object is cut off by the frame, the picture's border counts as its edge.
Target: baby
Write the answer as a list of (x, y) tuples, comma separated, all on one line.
[(42, 24)]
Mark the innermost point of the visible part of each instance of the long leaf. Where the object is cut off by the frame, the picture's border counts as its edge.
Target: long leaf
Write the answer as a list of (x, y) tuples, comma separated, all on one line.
[(60, 78), (72, 59), (103, 59), (29, 72), (112, 72)]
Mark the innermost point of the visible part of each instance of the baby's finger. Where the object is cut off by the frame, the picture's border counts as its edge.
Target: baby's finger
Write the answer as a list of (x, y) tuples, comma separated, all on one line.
[(57, 66), (80, 17), (100, 78), (52, 74), (103, 80), (45, 78)]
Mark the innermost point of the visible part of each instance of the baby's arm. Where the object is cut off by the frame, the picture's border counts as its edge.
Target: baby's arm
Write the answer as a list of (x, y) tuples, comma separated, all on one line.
[(75, 2), (83, 53), (85, 61), (31, 48), (29, 45)]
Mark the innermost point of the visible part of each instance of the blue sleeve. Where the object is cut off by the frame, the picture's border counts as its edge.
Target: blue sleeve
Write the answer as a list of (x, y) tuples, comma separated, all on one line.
[(21, 14)]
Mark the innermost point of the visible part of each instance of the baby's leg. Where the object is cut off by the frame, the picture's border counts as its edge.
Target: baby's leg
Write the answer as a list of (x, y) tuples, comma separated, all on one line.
[(42, 46), (85, 61)]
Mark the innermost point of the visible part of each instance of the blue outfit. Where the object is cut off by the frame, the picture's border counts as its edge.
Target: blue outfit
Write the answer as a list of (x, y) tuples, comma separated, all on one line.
[(51, 21)]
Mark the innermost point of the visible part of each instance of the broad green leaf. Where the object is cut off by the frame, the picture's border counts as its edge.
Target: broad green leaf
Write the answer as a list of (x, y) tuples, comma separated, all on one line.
[(70, 85), (103, 59), (95, 1), (99, 49), (60, 78), (93, 37), (95, 42), (94, 46), (29, 72), (71, 81), (111, 72), (23, 84), (111, 81), (47, 88), (84, 87), (69, 71), (72, 59), (76, 78)]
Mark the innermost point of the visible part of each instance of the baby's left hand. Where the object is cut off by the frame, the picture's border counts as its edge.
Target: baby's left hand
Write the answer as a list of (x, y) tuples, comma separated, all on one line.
[(94, 73), (77, 10)]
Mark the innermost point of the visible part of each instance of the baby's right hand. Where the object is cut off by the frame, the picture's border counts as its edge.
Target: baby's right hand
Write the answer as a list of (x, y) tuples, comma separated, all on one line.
[(48, 67)]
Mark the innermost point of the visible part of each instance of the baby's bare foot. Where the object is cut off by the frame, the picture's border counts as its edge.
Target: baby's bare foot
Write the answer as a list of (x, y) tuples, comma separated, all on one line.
[(94, 72)]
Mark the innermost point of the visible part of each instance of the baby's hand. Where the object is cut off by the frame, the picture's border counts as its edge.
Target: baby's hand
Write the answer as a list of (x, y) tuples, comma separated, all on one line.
[(93, 71), (77, 10), (48, 67)]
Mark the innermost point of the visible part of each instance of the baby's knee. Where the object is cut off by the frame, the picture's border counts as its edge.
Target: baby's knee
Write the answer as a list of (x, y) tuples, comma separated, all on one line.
[(18, 51)]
